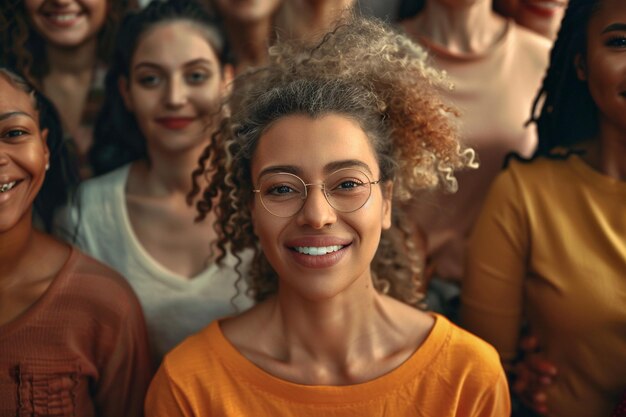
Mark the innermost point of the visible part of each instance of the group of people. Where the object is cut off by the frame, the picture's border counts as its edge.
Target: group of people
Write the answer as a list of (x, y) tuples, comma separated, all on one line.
[(281, 207)]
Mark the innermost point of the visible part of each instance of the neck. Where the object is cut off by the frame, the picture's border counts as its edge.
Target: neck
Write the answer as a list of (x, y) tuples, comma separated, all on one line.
[(249, 41), (15, 246), (72, 61), (311, 18), (606, 153), (169, 173), (329, 330), (470, 29)]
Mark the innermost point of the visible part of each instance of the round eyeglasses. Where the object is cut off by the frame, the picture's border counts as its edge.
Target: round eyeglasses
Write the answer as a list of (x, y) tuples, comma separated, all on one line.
[(284, 194)]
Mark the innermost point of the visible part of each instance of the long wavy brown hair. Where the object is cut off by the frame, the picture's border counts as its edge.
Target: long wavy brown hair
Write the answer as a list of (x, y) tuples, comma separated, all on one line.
[(363, 70)]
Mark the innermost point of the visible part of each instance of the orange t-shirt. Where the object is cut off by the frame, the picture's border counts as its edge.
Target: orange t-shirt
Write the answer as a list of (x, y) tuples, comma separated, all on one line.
[(453, 373)]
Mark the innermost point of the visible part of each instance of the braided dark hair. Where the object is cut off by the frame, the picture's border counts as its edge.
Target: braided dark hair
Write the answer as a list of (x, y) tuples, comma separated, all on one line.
[(564, 110), (117, 138)]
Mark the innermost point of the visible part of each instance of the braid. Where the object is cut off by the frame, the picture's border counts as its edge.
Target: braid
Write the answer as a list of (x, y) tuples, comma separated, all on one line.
[(567, 113)]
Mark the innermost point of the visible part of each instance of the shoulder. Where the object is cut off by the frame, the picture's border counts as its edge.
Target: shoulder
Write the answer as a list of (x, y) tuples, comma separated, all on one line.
[(531, 42), (538, 172), (532, 50), (469, 358), (99, 285), (94, 187), (195, 356)]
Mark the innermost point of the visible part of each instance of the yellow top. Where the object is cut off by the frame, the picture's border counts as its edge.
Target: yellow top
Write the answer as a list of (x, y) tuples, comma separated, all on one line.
[(452, 374), (550, 248)]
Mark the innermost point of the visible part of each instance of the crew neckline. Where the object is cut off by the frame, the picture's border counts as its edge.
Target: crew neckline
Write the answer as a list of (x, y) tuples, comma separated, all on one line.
[(441, 52), (418, 363)]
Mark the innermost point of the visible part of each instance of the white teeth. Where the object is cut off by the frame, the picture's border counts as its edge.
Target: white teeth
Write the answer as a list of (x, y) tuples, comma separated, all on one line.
[(63, 17), (6, 187), (317, 250)]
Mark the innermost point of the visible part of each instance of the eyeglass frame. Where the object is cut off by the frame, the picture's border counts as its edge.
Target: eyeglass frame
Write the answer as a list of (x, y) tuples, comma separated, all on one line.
[(323, 185)]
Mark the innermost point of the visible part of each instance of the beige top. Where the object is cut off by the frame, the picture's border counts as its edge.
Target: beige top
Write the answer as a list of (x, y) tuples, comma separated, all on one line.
[(494, 92)]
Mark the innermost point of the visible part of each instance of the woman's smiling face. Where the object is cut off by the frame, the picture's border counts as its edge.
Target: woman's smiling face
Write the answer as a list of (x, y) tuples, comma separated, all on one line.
[(67, 23), (604, 65), (23, 154), (175, 86), (319, 252)]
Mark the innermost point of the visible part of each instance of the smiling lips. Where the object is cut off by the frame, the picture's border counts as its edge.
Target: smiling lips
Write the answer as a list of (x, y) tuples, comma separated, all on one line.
[(543, 8), (7, 186), (62, 19), (318, 252), (175, 123)]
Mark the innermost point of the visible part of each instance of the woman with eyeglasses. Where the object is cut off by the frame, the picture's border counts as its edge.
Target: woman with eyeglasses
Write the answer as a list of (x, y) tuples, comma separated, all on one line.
[(305, 172)]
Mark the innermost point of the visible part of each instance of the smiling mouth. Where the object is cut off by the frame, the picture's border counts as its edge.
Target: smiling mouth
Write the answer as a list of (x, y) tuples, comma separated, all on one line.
[(318, 250), (7, 186)]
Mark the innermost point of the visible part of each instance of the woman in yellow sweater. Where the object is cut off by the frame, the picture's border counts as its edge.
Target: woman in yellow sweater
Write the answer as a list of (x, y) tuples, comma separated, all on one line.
[(549, 247), (305, 172)]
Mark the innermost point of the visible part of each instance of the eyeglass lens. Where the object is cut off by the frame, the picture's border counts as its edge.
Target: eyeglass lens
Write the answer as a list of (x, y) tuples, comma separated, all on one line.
[(284, 194)]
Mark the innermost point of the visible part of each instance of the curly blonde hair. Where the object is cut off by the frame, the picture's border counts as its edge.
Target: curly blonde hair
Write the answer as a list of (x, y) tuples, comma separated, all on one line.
[(365, 71)]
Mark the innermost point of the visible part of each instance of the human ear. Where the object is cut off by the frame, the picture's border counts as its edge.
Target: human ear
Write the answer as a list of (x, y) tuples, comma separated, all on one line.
[(387, 193), (122, 85), (581, 67), (228, 74)]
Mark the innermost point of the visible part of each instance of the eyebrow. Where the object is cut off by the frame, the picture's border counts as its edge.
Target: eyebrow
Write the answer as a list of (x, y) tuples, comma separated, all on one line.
[(328, 168), (11, 114), (186, 64), (615, 27)]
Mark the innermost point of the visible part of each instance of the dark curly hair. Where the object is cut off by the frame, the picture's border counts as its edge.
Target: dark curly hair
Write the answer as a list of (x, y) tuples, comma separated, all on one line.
[(62, 176), (22, 48), (369, 73), (117, 138)]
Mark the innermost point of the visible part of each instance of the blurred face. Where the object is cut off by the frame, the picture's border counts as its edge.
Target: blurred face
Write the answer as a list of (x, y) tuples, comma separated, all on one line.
[(247, 10), (67, 23), (23, 155), (604, 67), (175, 86), (541, 16), (319, 252)]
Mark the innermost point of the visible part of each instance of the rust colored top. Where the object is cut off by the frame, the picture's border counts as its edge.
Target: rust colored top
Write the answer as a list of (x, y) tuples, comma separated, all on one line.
[(80, 350)]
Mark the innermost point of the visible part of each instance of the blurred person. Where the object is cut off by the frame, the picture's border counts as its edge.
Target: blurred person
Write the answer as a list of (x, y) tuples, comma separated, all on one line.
[(548, 249), (164, 91), (495, 67), (541, 16), (63, 47)]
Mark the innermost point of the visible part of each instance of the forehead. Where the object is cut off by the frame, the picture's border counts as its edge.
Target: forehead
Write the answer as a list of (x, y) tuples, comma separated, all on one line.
[(311, 144), (12, 98), (609, 12), (174, 43)]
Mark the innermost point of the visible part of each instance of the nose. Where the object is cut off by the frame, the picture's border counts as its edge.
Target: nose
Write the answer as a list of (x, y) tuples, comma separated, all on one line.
[(176, 94), (316, 212)]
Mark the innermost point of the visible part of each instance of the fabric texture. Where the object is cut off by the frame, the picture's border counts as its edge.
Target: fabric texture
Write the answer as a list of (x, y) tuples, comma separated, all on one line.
[(549, 249), (451, 374), (80, 350), (494, 92), (174, 306)]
